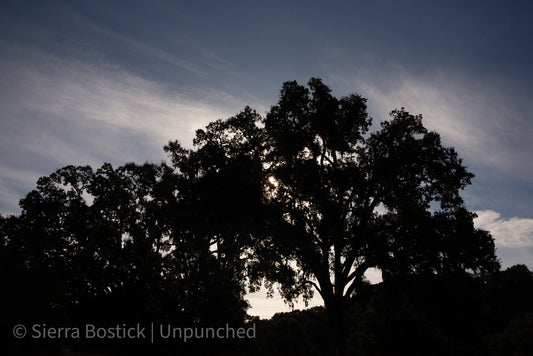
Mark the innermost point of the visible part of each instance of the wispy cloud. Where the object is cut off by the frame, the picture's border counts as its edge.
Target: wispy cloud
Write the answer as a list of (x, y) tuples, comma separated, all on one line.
[(480, 120), (57, 112), (14, 184), (136, 45)]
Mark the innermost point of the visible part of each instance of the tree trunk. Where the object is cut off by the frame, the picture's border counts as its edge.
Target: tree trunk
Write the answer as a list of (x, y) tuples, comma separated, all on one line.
[(337, 329)]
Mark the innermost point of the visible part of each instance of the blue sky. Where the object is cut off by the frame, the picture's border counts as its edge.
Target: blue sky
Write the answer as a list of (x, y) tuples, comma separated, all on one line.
[(87, 82)]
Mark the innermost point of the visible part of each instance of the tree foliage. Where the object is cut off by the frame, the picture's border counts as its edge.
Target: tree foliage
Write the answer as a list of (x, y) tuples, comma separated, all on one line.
[(309, 196), (127, 245), (339, 200)]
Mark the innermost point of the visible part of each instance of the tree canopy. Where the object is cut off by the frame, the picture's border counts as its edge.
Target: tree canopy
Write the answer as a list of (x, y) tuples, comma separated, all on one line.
[(309, 196), (339, 199)]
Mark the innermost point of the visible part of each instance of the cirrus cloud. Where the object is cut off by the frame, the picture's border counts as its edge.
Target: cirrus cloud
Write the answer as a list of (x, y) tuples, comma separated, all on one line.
[(58, 111)]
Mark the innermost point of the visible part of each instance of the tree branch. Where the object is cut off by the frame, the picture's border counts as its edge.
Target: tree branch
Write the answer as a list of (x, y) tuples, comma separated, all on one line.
[(314, 285), (352, 255), (357, 276)]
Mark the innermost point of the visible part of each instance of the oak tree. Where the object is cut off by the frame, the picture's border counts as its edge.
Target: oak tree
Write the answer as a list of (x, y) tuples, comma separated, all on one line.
[(339, 199)]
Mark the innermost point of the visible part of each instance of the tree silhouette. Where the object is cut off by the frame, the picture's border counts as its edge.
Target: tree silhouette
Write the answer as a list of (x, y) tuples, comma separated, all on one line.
[(115, 246), (307, 197), (339, 200), (217, 213)]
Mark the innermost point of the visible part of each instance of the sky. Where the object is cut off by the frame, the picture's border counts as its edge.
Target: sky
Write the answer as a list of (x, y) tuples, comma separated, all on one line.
[(88, 82)]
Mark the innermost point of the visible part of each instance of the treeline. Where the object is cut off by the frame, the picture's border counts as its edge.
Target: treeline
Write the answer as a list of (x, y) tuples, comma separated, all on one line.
[(305, 199)]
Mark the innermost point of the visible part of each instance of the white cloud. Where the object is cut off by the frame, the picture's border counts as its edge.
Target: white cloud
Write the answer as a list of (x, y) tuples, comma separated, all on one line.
[(513, 232), (486, 124), (80, 92), (57, 112)]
